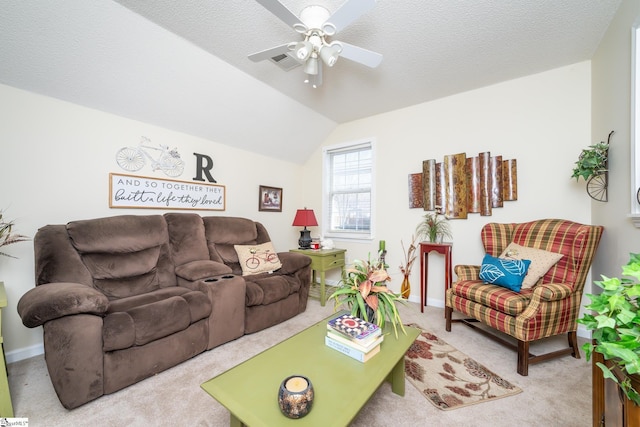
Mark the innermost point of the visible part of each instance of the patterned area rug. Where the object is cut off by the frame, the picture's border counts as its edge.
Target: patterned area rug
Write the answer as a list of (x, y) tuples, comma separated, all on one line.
[(449, 378)]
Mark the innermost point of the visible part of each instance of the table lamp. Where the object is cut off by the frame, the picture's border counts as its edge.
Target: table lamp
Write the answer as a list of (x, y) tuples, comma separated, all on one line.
[(305, 217)]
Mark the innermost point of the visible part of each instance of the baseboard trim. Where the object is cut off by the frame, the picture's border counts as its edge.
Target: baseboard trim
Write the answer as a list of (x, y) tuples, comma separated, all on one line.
[(24, 353)]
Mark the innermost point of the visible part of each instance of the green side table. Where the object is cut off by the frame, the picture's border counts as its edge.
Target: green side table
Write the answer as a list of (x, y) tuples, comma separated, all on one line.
[(6, 409), (323, 260)]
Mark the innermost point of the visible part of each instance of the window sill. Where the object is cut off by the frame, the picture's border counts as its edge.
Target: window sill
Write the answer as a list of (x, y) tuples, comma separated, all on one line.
[(635, 218)]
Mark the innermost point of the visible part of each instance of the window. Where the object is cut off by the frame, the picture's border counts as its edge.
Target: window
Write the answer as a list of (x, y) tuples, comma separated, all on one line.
[(348, 190), (635, 126)]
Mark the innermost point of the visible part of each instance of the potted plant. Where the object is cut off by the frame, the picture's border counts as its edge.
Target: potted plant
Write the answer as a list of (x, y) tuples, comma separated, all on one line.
[(592, 161), (365, 292), (6, 238), (433, 227), (615, 326)]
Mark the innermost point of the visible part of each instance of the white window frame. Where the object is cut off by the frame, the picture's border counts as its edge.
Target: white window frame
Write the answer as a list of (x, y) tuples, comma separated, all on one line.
[(365, 236), (635, 124)]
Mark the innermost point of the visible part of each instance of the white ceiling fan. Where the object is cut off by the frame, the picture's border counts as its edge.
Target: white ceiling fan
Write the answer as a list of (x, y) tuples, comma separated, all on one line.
[(316, 26)]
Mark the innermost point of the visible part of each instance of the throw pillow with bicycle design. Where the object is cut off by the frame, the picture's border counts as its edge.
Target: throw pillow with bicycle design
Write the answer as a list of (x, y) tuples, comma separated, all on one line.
[(255, 259)]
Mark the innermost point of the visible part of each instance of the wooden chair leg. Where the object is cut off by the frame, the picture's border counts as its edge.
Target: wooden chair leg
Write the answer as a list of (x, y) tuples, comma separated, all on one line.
[(448, 311), (573, 343), (523, 358)]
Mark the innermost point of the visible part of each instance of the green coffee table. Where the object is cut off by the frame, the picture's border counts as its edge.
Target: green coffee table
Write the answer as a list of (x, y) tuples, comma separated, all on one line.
[(342, 385)]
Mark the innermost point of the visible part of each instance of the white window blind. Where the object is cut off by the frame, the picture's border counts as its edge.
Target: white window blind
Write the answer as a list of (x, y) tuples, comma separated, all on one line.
[(349, 190)]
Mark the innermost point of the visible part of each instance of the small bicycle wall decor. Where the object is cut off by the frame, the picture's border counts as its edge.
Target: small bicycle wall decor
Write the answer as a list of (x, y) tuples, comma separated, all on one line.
[(134, 158)]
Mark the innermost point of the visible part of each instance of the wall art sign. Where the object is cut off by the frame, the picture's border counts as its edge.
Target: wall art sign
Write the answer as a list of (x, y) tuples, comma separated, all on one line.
[(129, 191)]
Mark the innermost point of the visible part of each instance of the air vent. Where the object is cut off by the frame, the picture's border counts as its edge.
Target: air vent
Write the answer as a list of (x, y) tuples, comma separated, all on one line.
[(285, 61)]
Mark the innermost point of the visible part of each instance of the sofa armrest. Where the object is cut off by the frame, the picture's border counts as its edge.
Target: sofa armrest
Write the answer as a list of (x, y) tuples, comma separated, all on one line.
[(552, 291), (198, 270), (54, 300), (292, 262), (467, 272)]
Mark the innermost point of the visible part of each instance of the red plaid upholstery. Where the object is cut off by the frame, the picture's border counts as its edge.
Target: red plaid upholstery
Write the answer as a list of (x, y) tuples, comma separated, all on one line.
[(549, 308)]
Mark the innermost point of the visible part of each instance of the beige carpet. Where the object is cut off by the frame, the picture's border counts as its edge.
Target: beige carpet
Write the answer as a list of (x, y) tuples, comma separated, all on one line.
[(556, 393)]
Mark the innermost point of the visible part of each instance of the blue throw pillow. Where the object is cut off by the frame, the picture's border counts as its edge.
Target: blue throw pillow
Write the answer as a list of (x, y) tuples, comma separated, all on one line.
[(508, 273)]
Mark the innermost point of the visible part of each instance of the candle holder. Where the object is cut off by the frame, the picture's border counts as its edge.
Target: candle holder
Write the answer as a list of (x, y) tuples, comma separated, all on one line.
[(295, 396)]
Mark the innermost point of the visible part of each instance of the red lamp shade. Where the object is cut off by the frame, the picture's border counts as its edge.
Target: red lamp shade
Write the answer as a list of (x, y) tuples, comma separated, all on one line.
[(305, 218)]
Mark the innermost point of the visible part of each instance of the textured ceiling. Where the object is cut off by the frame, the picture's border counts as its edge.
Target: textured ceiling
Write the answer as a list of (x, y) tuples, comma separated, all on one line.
[(175, 63)]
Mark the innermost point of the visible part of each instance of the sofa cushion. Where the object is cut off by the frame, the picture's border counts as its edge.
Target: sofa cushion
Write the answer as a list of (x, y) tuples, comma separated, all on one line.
[(230, 230), (126, 255), (504, 272), (224, 232), (121, 234), (128, 286), (256, 259), (124, 304), (267, 288), (496, 297), (186, 237), (141, 319), (120, 275), (541, 261)]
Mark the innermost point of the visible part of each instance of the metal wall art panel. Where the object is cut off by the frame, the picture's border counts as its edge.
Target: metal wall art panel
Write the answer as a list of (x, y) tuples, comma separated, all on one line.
[(460, 185)]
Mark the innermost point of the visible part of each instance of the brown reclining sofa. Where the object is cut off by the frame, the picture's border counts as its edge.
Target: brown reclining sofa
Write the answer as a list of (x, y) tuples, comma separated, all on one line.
[(125, 297)]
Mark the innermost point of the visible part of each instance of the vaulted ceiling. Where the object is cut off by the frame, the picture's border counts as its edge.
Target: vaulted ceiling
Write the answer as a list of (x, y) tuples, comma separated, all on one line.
[(183, 64)]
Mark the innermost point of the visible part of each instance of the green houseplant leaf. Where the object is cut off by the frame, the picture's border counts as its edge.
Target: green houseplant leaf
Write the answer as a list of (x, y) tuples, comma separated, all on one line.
[(615, 325), (433, 227), (365, 287), (591, 161)]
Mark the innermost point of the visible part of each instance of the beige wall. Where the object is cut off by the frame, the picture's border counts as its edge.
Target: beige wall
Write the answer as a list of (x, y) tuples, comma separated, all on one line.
[(611, 90), (56, 160), (61, 154), (542, 120)]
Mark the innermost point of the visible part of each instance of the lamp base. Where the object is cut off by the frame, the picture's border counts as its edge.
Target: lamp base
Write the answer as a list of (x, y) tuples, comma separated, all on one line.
[(304, 242)]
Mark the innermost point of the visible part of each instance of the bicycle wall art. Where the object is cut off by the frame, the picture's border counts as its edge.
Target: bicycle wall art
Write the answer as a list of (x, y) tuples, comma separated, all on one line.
[(130, 191), (162, 158)]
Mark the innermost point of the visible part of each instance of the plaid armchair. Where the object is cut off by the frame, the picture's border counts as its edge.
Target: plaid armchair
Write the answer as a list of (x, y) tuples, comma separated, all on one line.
[(549, 308)]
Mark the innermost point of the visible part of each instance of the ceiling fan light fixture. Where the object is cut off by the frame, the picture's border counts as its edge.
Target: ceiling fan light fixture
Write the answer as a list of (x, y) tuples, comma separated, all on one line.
[(303, 50), (311, 67), (329, 55), (314, 80), (316, 25)]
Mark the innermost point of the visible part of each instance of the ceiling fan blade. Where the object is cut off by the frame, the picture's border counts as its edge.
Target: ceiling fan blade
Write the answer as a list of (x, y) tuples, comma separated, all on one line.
[(280, 10), (358, 54), (269, 53), (346, 14)]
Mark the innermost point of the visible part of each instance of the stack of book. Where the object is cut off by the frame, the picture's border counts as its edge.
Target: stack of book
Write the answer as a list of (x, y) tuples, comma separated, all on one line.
[(354, 337)]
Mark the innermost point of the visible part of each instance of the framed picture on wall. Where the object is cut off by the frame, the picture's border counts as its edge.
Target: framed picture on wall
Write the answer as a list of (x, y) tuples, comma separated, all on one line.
[(270, 199)]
